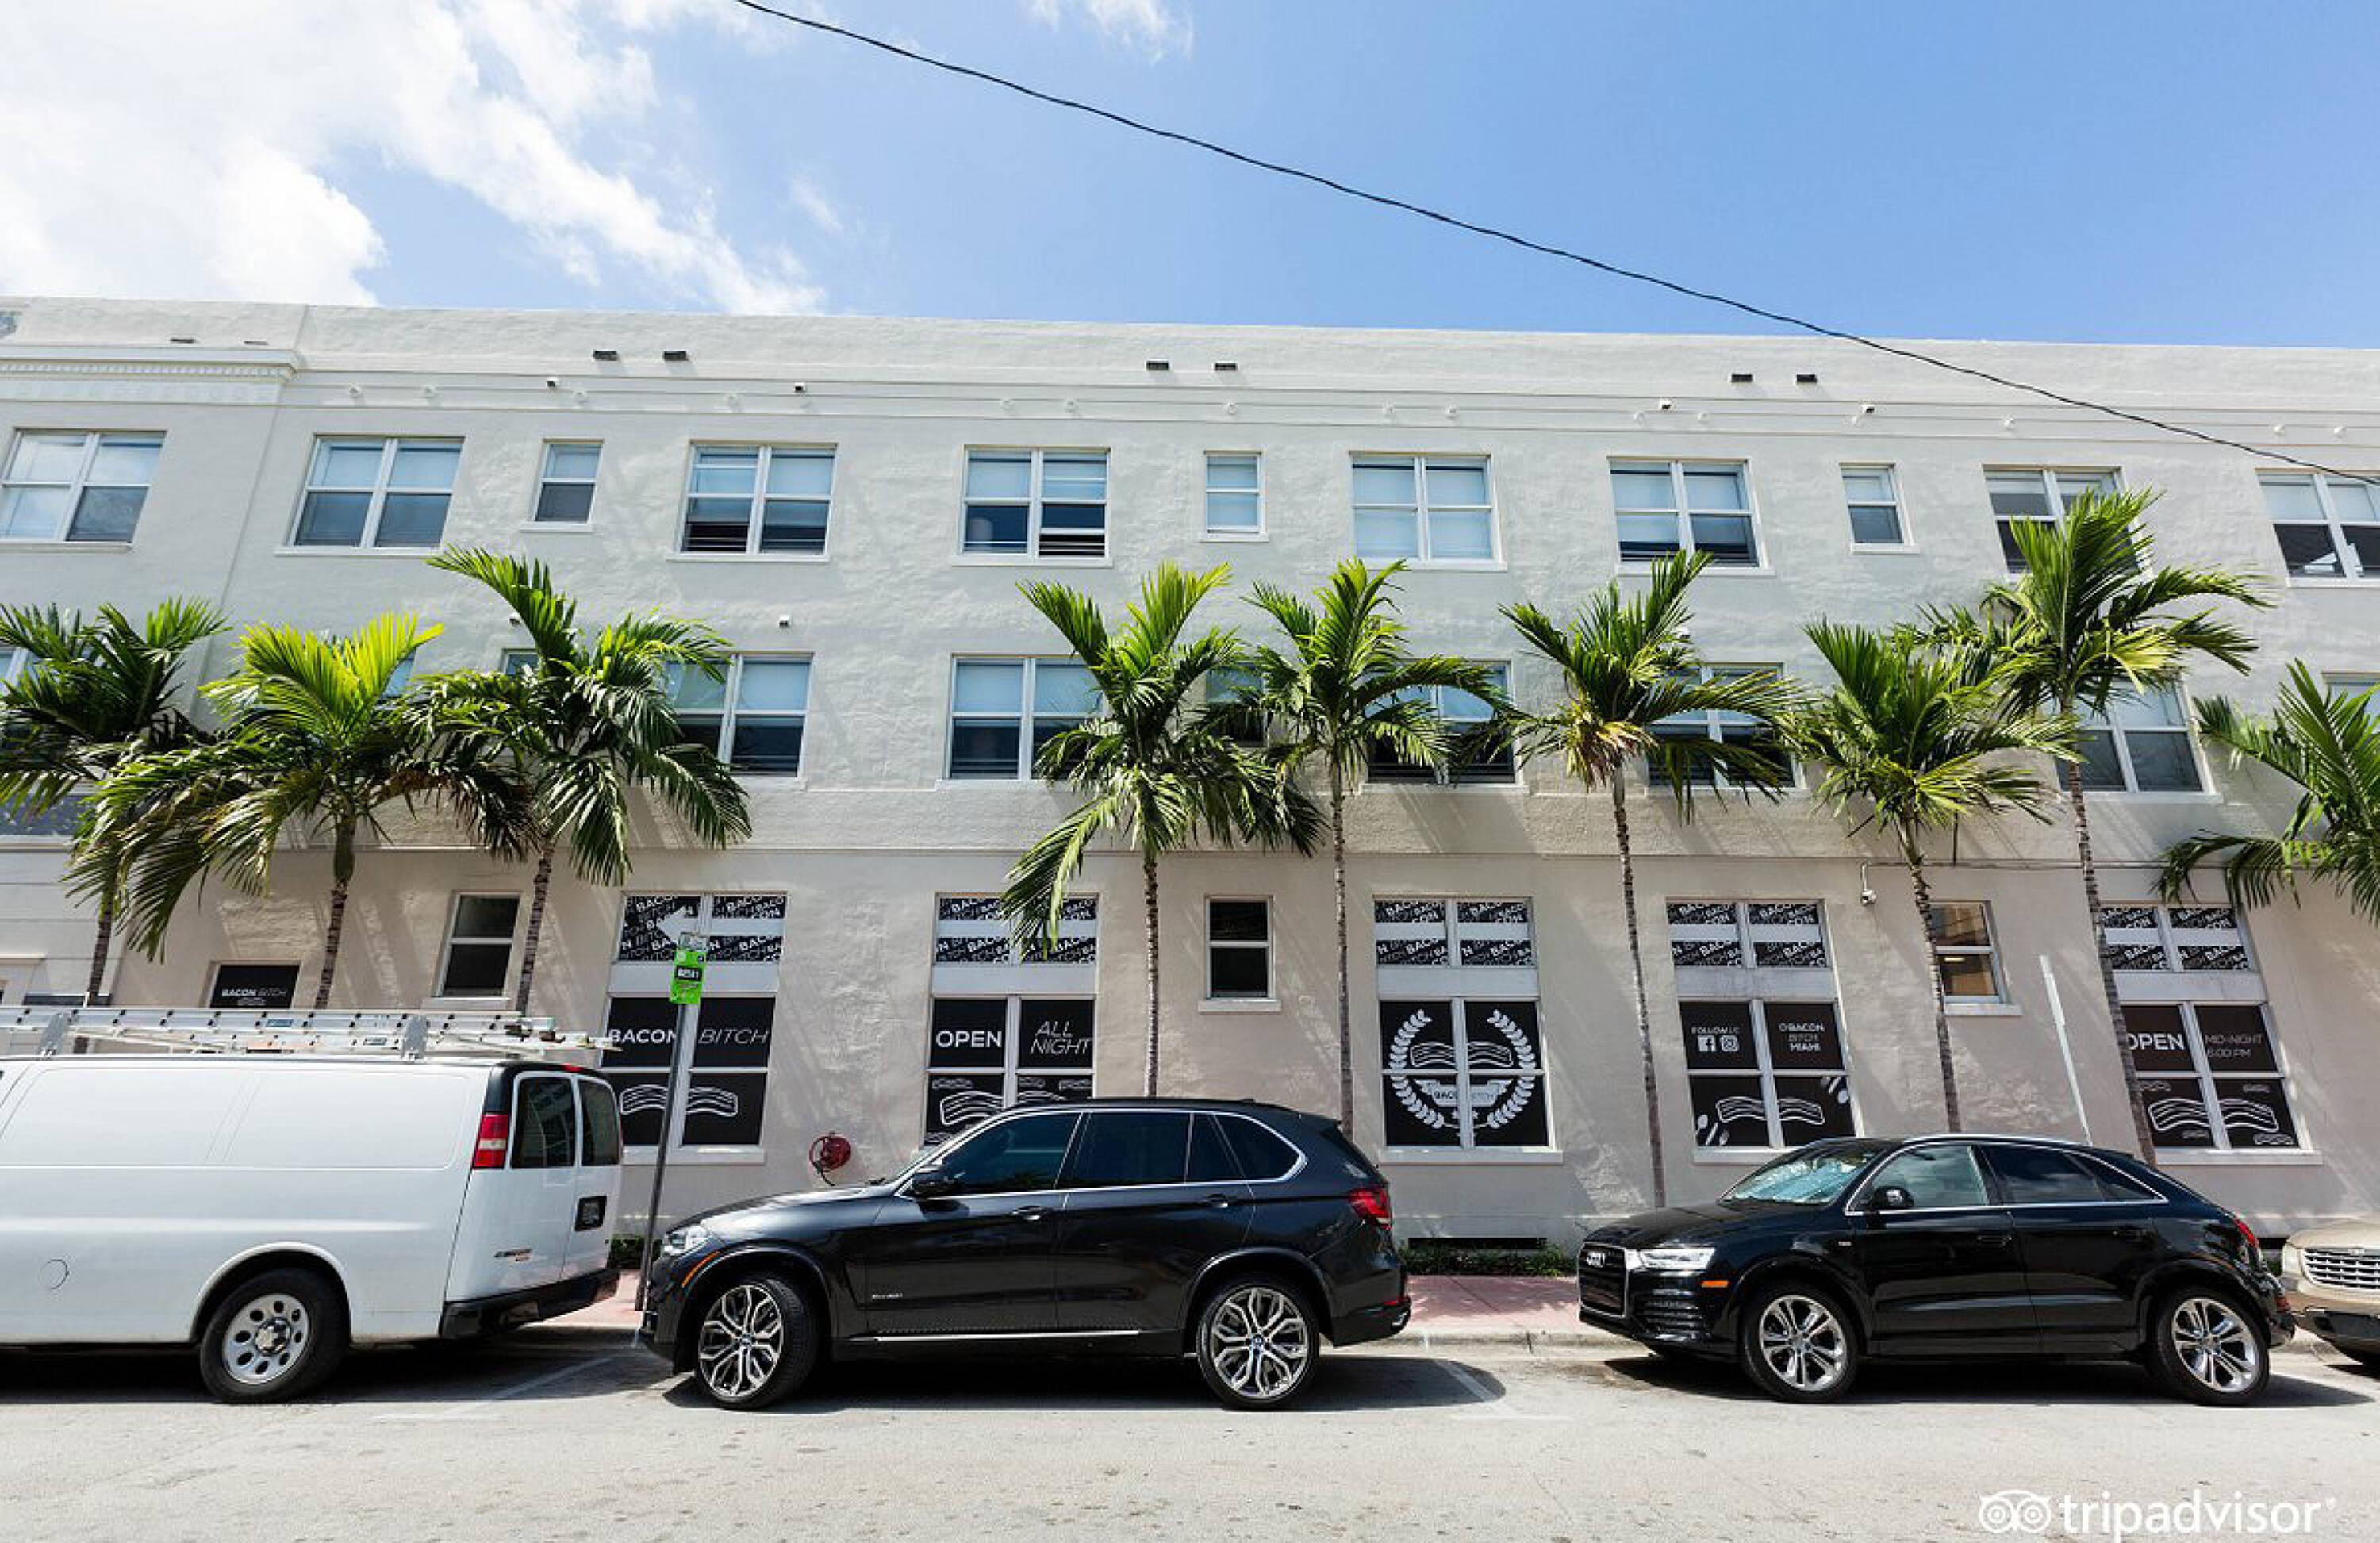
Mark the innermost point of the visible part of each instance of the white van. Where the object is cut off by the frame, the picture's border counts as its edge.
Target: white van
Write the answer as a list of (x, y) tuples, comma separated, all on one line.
[(271, 1211)]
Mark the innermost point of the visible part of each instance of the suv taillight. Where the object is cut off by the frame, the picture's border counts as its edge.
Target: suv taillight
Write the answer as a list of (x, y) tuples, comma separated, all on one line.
[(2248, 1236), (496, 1134), (1371, 1203)]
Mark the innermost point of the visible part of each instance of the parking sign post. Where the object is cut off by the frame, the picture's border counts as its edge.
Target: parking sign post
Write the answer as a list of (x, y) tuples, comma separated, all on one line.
[(685, 995)]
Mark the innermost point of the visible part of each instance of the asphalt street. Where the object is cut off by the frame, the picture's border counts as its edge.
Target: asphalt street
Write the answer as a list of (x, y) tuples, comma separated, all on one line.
[(560, 1434)]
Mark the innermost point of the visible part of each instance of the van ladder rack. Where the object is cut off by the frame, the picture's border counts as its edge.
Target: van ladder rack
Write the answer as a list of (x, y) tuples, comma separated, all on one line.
[(77, 1030)]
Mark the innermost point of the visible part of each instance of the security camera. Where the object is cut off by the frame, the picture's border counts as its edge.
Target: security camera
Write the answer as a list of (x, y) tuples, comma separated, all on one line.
[(1868, 897), (1665, 404), (552, 384)]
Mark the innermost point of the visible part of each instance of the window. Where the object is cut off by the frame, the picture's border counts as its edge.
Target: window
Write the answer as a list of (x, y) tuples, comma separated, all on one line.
[(1765, 1061), (969, 930), (1461, 1061), (1008, 1027), (1121, 1149), (479, 945), (1671, 506), (1873, 495), (2139, 745), (1041, 503), (1965, 954), (757, 499), (521, 661), (2336, 684), (378, 492), (1474, 757), (566, 493), (1234, 495), (76, 487), (1256, 1151), (2042, 1176), (992, 701), (1731, 728), (1748, 934), (1944, 1177), (59, 819), (1425, 509), (2329, 526), (253, 986), (727, 1082), (2174, 938), (1015, 1157), (753, 719), (1239, 950), (1228, 690), (2211, 1076), (2039, 494), (599, 1125), (545, 1117)]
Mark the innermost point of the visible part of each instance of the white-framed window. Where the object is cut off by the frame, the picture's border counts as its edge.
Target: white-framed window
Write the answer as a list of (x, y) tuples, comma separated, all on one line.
[(1428, 510), (753, 719), (1239, 949), (252, 984), (1035, 503), (1873, 494), (1965, 953), (1666, 508), (2175, 940), (1764, 1041), (56, 820), (71, 485), (2039, 494), (378, 492), (1466, 716), (769, 499), (2141, 744), (1230, 688), (12, 660), (2329, 526), (2212, 1077), (565, 485), (1462, 1058), (2334, 683), (1008, 1027), (1731, 728), (727, 1081), (1234, 495), (478, 959), (995, 702), (519, 662)]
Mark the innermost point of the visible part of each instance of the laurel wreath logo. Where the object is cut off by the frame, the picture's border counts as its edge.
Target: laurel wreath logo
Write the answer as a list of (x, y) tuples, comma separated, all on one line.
[(1518, 1085)]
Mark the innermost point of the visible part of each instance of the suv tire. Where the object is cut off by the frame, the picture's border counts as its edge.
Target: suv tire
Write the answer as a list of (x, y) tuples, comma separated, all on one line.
[(1257, 1342), (1798, 1344), (756, 1342), (273, 1336), (2207, 1348)]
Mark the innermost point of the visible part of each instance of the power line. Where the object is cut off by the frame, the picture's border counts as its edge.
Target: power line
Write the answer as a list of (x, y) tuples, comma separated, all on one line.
[(1547, 248)]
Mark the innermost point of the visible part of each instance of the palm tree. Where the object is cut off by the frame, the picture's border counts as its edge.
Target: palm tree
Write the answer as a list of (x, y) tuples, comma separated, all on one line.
[(1341, 688), (2088, 623), (1912, 739), (92, 694), (586, 724), (1627, 664), (1154, 764), (2328, 744), (316, 740)]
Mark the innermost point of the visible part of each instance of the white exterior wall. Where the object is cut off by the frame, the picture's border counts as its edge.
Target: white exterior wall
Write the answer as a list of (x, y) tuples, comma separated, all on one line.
[(870, 832)]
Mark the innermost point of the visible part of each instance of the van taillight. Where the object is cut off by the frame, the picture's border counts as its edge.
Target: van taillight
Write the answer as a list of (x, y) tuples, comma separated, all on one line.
[(1372, 1205), (496, 1134)]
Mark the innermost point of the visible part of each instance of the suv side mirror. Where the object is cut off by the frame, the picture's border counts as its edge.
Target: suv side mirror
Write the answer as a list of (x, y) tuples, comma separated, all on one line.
[(1891, 1196), (930, 1183)]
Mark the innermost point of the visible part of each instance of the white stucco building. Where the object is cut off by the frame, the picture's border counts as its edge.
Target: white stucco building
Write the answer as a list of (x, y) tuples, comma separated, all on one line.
[(852, 503)]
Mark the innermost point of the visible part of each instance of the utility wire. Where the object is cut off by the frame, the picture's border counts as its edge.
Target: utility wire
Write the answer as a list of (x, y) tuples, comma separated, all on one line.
[(1493, 233)]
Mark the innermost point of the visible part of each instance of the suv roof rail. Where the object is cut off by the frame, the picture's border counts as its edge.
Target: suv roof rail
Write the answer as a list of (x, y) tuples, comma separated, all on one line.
[(224, 1030)]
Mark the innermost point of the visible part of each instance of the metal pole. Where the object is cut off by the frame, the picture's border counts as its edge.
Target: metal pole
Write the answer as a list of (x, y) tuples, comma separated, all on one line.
[(2066, 1049), (681, 1053)]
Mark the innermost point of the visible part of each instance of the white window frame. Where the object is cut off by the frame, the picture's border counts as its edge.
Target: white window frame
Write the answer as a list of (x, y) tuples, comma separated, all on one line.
[(2120, 737), (1682, 514), (2110, 477), (732, 711), (1424, 505), (1245, 1001), (1713, 722), (1989, 948), (756, 508), (80, 483), (446, 947), (14, 662), (1024, 715), (1208, 529), (2351, 569), (1449, 777), (1764, 1070), (1898, 502), (1032, 504), (2210, 1085), (367, 540), (545, 479), (2168, 938)]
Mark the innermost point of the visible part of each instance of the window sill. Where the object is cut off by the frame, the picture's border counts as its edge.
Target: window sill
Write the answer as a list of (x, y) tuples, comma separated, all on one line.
[(409, 554), (1470, 1157), (1715, 570), (2177, 796), (558, 527), (1235, 536), (44, 543), (2200, 1156), (1983, 1010), (18, 842), (714, 1156), (1881, 548), (1240, 1004), (1743, 1157), (2299, 581), (746, 557), (1423, 785), (1028, 560), (1418, 565)]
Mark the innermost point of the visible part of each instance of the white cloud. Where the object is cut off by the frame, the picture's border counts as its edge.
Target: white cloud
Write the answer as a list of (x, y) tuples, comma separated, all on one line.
[(159, 148), (1156, 28)]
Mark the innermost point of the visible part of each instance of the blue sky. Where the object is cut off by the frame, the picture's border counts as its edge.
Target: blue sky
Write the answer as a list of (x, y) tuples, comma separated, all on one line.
[(2168, 172)]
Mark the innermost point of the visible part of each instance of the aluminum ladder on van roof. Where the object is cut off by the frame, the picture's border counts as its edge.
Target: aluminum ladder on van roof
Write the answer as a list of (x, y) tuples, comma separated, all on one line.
[(224, 1030)]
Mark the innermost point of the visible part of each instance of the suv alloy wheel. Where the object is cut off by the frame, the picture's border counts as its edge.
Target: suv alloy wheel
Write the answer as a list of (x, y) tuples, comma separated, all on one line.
[(2206, 1347), (1798, 1344), (756, 1342), (1257, 1342)]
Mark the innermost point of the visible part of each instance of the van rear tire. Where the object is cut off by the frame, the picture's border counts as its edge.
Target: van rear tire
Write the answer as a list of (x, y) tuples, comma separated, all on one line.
[(274, 1336)]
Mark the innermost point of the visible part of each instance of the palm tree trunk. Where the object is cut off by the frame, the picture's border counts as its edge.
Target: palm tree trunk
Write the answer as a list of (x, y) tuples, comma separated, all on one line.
[(103, 941), (342, 869), (1923, 895), (1148, 887), (1346, 1026), (2143, 1137), (537, 893), (1643, 1009)]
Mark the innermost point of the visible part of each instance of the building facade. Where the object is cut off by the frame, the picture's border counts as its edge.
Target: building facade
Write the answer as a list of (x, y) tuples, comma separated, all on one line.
[(852, 503)]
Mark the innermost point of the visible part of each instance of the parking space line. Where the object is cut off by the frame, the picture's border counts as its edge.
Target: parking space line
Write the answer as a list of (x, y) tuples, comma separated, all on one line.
[(1493, 1404), (476, 1408)]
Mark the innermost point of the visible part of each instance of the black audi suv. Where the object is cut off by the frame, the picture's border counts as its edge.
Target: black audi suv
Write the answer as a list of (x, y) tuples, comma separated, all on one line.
[(1243, 1233), (1943, 1247)]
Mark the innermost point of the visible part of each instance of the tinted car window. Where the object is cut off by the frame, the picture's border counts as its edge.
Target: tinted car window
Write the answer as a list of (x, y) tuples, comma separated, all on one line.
[(1210, 1157), (1136, 1147), (1261, 1154), (545, 1122), (2037, 1176), (599, 1125), (1937, 1178), (1013, 1155)]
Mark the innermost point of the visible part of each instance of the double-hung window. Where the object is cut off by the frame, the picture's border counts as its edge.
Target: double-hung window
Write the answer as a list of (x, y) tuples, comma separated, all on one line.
[(58, 819), (1423, 509), (1731, 728), (2036, 495), (1874, 494), (1003, 711), (768, 498), (1234, 497), (2211, 1075), (566, 487), (1036, 502), (2141, 744), (1239, 950), (378, 492), (1462, 1058), (478, 957), (2329, 526), (1965, 953), (752, 719), (1473, 758), (76, 487), (1667, 508), (1764, 1041)]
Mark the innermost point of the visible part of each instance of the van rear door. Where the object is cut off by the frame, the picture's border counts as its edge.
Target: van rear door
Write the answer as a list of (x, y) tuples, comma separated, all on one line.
[(516, 1232), (597, 1211)]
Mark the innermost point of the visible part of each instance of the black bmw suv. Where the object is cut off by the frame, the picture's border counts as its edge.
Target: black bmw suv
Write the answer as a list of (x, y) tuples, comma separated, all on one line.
[(1239, 1232), (1943, 1247)]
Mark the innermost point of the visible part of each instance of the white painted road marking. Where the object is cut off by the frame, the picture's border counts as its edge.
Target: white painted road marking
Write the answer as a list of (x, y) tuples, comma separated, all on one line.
[(475, 1409)]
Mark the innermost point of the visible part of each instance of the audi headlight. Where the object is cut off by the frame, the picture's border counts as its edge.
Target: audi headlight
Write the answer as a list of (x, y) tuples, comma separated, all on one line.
[(1672, 1259), (682, 1241)]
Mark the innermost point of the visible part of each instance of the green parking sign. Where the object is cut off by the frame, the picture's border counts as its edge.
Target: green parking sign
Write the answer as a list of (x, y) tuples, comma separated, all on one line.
[(685, 973)]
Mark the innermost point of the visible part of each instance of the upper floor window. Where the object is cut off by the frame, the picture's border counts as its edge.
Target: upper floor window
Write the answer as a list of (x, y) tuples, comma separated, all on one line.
[(1466, 717), (1239, 950), (757, 498), (2139, 745), (2038, 495), (2329, 527), (565, 489), (994, 700), (1731, 728), (76, 487), (1965, 953), (1423, 509), (2333, 682), (1874, 494), (1036, 502), (1671, 506), (378, 492), (753, 718), (1234, 494), (479, 945)]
